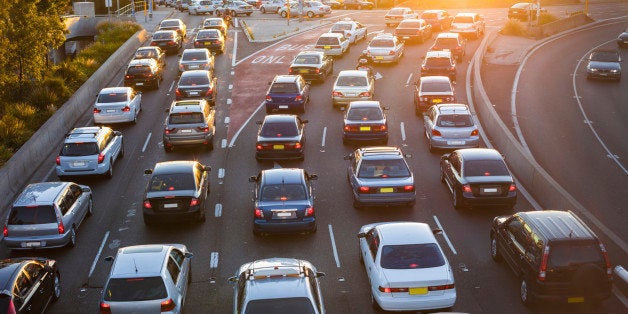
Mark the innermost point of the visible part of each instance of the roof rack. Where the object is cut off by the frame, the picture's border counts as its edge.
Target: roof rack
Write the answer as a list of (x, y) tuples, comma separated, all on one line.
[(275, 272)]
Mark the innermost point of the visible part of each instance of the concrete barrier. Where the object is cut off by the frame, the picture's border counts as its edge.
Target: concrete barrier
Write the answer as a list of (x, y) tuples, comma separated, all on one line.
[(561, 25), (19, 170)]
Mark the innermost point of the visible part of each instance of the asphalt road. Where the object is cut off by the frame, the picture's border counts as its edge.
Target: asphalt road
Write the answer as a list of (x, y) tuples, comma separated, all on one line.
[(225, 241)]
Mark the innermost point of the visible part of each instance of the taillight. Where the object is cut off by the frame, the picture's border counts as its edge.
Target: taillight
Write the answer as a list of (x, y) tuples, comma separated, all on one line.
[(127, 76), (126, 109), (475, 132), (209, 92), (5, 231), (58, 160), (96, 110), (317, 71), (152, 43), (297, 145), (365, 94), (512, 187), (298, 98), (147, 204), (347, 128), (268, 98), (203, 129), (364, 189), (438, 288), (290, 70), (177, 92), (181, 67), (458, 47), (408, 188), (423, 68), (105, 308), (543, 266), (309, 211), (466, 188), (452, 69), (391, 290), (391, 53), (171, 42), (193, 202), (196, 44), (60, 227), (259, 147), (609, 271), (259, 213), (336, 94), (436, 133), (167, 306), (101, 158)]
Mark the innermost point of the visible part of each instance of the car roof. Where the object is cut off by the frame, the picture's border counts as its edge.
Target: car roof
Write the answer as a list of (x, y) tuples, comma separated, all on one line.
[(195, 73), (466, 14), (557, 225), (117, 89), (84, 134), (434, 79), (364, 103), (405, 233), (188, 105), (283, 175), (208, 30), (177, 166), (142, 62), (332, 35), (285, 78), (447, 35), (40, 193), (479, 154), (190, 50), (166, 31), (438, 54), (453, 109), (170, 20), (276, 278), (353, 73), (148, 48), (146, 260), (380, 152)]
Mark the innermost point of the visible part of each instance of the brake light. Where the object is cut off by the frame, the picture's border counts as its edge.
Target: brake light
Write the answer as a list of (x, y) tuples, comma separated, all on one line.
[(475, 132), (193, 202), (609, 271), (513, 187), (60, 227), (290, 70), (147, 204), (127, 76), (317, 71), (438, 288), (101, 158), (391, 290), (96, 110), (297, 145), (408, 188), (466, 188), (436, 133), (167, 306), (5, 231), (126, 109), (298, 98), (152, 43), (391, 53), (259, 147), (543, 266), (58, 160), (259, 213), (365, 94), (365, 189), (177, 92), (268, 98), (105, 308), (309, 211), (452, 68), (203, 129), (347, 128), (168, 131), (209, 92), (336, 94), (171, 42)]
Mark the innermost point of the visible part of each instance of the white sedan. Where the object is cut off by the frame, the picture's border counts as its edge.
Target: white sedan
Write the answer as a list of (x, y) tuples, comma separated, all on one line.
[(406, 267), (351, 29), (117, 105)]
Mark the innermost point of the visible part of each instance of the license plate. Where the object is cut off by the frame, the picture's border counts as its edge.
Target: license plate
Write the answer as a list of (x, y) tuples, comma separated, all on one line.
[(32, 244), (139, 84), (455, 142), (186, 131), (365, 128), (386, 190), (194, 67), (304, 71), (278, 147), (110, 110), (193, 93), (575, 300), (283, 106), (406, 37), (437, 100), (489, 190), (421, 290), (379, 58), (284, 214), (326, 47), (78, 164), (207, 43), (174, 205)]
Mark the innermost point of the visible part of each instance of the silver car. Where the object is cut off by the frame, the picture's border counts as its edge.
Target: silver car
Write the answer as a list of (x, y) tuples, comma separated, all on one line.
[(272, 6), (149, 278), (47, 215), (236, 8), (385, 48), (189, 122), (196, 59), (90, 151), (450, 126), (117, 105), (352, 85)]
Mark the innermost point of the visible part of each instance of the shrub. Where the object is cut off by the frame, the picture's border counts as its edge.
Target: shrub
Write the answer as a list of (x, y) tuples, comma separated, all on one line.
[(514, 27), (13, 131), (5, 154), (33, 117), (71, 73)]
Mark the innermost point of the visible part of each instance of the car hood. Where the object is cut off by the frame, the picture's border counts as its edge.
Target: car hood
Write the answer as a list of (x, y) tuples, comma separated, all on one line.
[(486, 179), (418, 277), (604, 65)]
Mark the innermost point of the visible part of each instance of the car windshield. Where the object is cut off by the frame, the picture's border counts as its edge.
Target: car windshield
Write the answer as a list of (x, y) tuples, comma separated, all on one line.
[(438, 62), (193, 80), (341, 27), (352, 81), (574, 253), (381, 43), (163, 35), (429, 16), (396, 11), (279, 129), (138, 70), (79, 149), (283, 88), (436, 87), (364, 114), (111, 97), (207, 34), (145, 53), (307, 59), (185, 118), (484, 168), (409, 24), (327, 41), (32, 215), (135, 289), (463, 19), (283, 192), (300, 305), (455, 120), (386, 168), (411, 256), (446, 42), (604, 56), (194, 56), (172, 182)]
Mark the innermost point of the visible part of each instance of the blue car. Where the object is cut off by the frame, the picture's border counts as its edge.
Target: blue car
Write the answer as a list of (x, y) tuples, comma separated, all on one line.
[(287, 93), (283, 201)]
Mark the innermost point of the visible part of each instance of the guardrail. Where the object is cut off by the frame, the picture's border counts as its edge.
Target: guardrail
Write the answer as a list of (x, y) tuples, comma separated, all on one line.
[(132, 8)]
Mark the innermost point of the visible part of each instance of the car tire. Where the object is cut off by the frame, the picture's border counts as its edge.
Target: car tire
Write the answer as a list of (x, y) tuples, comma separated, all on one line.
[(90, 208), (210, 145), (134, 121), (262, 10), (72, 242), (524, 293), (456, 201), (357, 205), (109, 173), (494, 251), (121, 154), (56, 287)]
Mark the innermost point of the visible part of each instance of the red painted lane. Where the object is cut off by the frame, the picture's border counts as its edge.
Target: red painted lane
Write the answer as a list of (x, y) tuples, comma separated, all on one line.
[(253, 73)]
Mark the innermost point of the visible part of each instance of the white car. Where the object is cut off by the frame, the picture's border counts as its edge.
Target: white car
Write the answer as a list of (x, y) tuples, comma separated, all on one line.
[(352, 85), (117, 105), (352, 30), (385, 48), (272, 6), (470, 24), (332, 44), (406, 266), (201, 7)]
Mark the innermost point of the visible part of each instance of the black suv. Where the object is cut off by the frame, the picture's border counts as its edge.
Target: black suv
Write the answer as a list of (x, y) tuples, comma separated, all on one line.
[(555, 255)]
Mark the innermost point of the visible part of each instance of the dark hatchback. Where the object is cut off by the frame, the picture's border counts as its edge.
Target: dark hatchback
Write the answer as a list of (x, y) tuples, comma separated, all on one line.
[(197, 84), (281, 136), (143, 73), (287, 93), (312, 65), (452, 42), (604, 64), (176, 189), (478, 177), (151, 52), (28, 285), (211, 39), (365, 121), (283, 201), (439, 63), (170, 41)]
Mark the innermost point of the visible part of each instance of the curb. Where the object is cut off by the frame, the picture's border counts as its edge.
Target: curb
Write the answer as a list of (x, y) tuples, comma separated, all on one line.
[(251, 37)]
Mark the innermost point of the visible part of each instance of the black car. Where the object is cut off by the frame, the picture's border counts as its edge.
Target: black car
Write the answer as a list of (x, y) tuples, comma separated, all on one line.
[(176, 189), (622, 39), (432, 90), (478, 177), (211, 39), (143, 73), (168, 40), (555, 256), (365, 120), (216, 23), (439, 63), (439, 19), (151, 52), (312, 65), (283, 201), (604, 64), (281, 136), (28, 285), (197, 84)]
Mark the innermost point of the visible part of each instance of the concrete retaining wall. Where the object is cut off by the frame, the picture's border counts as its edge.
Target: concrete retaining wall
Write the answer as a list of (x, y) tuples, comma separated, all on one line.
[(556, 27), (18, 171)]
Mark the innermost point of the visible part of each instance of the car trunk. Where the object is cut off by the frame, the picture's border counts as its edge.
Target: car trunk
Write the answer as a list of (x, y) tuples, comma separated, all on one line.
[(417, 280), (489, 185), (32, 221), (170, 201)]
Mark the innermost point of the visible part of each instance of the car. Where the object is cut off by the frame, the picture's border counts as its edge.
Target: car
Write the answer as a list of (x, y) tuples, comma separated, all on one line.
[(524, 11), (284, 202), (280, 136), (453, 42), (312, 65), (189, 122), (414, 30), (201, 7), (332, 44), (478, 177), (216, 23), (406, 267), (365, 120), (352, 30), (151, 52), (210, 39), (555, 255), (272, 6), (174, 24), (277, 284), (196, 84), (352, 85), (439, 19), (398, 14), (89, 151), (255, 3), (604, 64), (468, 24), (385, 48), (333, 4), (196, 59), (380, 176), (170, 41), (450, 126), (310, 9), (47, 215), (439, 63), (357, 5), (29, 285), (148, 278), (176, 189), (236, 8), (622, 39), (117, 105), (142, 73), (287, 93), (432, 90), (182, 5)]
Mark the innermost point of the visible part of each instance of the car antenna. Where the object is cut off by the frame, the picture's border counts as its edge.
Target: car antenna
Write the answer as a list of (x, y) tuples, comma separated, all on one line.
[(570, 233), (135, 265)]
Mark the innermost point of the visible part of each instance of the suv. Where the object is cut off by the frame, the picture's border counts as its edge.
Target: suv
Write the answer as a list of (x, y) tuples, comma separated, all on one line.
[(604, 64), (147, 278), (450, 126), (143, 73), (28, 285), (197, 84), (439, 19), (398, 14), (196, 59), (175, 25), (271, 6), (47, 215), (414, 30), (168, 40), (524, 11), (287, 284), (452, 42), (201, 7), (90, 151), (385, 48), (432, 90), (352, 85), (189, 122), (380, 176), (468, 24), (554, 255), (357, 4), (439, 63), (287, 93)]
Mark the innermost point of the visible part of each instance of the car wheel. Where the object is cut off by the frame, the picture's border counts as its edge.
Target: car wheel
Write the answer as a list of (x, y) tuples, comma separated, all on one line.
[(148, 220), (457, 202), (56, 287), (121, 153), (109, 173), (357, 205), (430, 147), (168, 149), (524, 293), (494, 253), (262, 10), (72, 241), (134, 121), (284, 14), (90, 207)]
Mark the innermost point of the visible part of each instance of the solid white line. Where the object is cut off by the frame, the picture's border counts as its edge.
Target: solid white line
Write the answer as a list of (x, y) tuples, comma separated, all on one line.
[(451, 246), (104, 240), (409, 78), (218, 210), (146, 142), (324, 135), (333, 246), (221, 173), (171, 86), (403, 132), (213, 260), (227, 120), (235, 49), (223, 143), (229, 101), (235, 137)]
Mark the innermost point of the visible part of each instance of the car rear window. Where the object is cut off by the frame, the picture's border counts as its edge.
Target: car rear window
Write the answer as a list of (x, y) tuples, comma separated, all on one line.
[(572, 253), (283, 192), (463, 19), (169, 24), (188, 80), (279, 130), (204, 35), (135, 289), (436, 87), (364, 114), (142, 69), (409, 24), (172, 182), (352, 81), (194, 56), (80, 149), (163, 35), (213, 22), (284, 88), (327, 41), (455, 120), (411, 256), (145, 53), (438, 62), (185, 118), (429, 16), (484, 168), (395, 11), (300, 305), (341, 27), (386, 168), (446, 42), (32, 215), (111, 97), (307, 59), (378, 43)]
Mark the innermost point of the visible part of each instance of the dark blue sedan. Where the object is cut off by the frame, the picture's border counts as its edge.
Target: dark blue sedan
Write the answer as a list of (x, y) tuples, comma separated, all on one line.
[(287, 93)]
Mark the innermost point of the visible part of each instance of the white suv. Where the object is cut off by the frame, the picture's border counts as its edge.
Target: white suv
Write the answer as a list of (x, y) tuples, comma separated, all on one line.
[(468, 24)]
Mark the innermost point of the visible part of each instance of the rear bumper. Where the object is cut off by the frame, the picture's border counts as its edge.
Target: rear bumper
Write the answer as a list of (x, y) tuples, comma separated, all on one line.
[(414, 303), (307, 224), (101, 169), (190, 214), (141, 82), (453, 143), (367, 136), (562, 293), (184, 141), (300, 106), (279, 154), (30, 243), (384, 199), (469, 199), (114, 118), (346, 100)]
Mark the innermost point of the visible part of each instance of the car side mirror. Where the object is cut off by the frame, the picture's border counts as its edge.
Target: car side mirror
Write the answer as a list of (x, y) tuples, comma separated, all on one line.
[(148, 171), (437, 231), (117, 133), (320, 274), (305, 121), (252, 179), (86, 189), (189, 255), (233, 279), (445, 157), (207, 168), (408, 155), (361, 235), (108, 259), (167, 110), (313, 176), (258, 122), (385, 108)]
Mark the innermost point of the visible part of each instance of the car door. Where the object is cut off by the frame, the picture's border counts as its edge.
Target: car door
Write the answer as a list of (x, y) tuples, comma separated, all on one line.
[(26, 297), (512, 250), (450, 163), (429, 119), (372, 242), (43, 282), (136, 99), (78, 203), (184, 265), (68, 209), (177, 277)]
